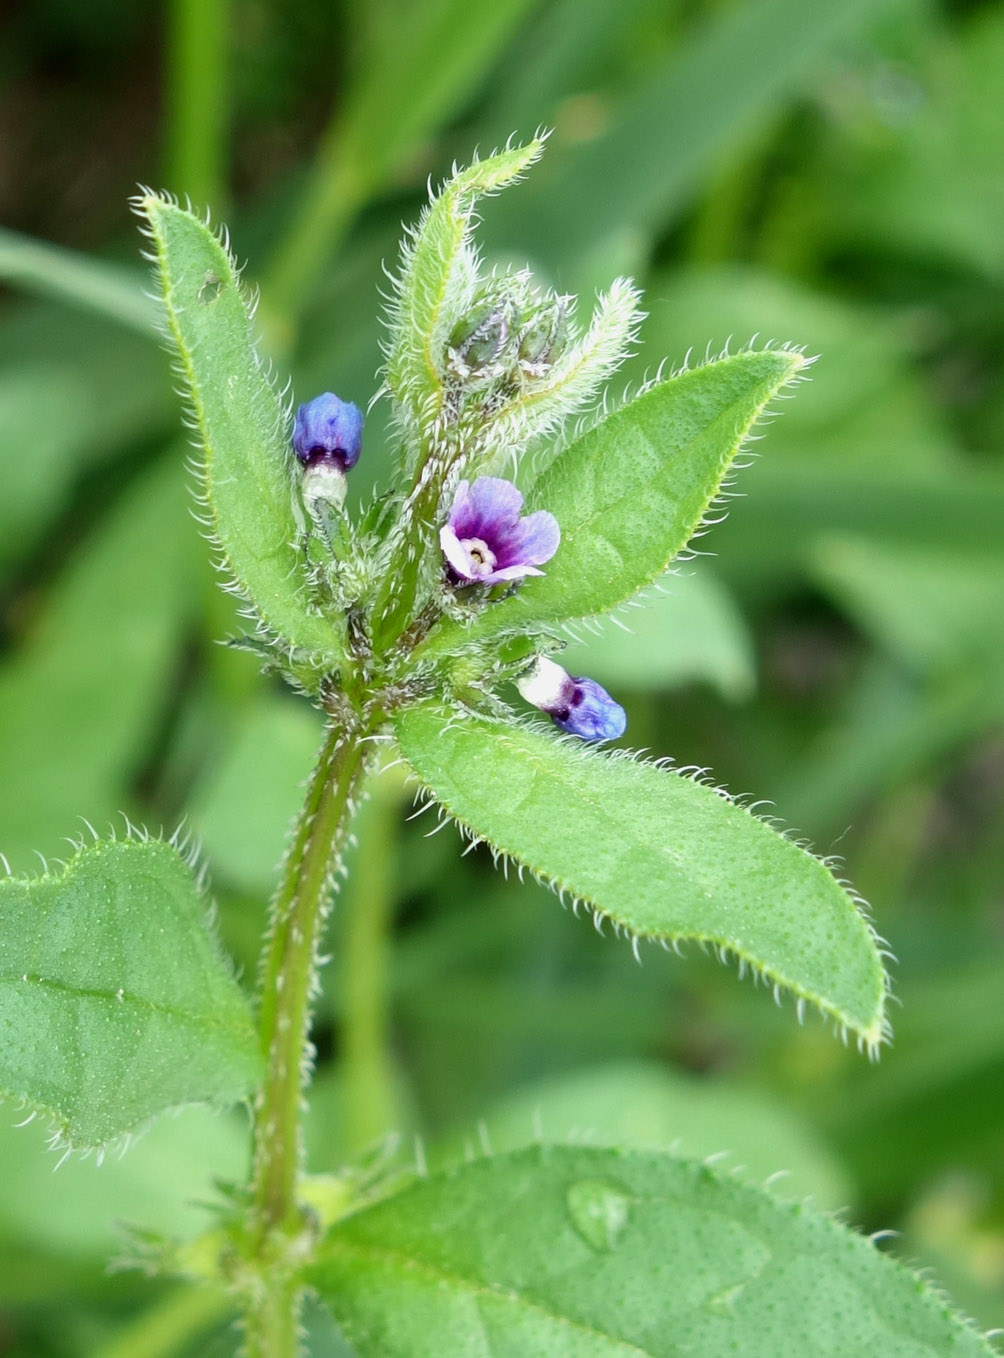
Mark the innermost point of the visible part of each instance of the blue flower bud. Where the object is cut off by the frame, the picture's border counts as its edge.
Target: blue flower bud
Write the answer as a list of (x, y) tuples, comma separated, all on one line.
[(578, 705), (328, 432)]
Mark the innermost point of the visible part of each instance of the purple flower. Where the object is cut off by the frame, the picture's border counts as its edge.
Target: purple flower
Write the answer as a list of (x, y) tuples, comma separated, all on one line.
[(328, 432), (577, 704), (486, 541)]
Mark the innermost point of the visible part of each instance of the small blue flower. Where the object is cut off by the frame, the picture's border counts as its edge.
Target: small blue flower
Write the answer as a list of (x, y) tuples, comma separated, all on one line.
[(577, 704), (487, 542), (328, 432)]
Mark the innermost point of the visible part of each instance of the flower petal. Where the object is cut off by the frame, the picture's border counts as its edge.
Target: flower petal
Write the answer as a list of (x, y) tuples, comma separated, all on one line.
[(485, 509), (455, 553), (509, 573), (531, 541)]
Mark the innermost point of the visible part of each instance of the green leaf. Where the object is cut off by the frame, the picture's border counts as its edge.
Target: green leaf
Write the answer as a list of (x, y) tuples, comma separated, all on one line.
[(247, 472), (609, 1254), (660, 855), (630, 494), (116, 1002)]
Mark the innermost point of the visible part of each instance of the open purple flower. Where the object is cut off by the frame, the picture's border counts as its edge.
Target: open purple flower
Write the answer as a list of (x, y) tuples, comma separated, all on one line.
[(486, 541), (576, 704), (328, 432)]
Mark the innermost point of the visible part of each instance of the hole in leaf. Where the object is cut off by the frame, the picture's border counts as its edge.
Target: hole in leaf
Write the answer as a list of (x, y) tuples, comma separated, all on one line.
[(210, 289)]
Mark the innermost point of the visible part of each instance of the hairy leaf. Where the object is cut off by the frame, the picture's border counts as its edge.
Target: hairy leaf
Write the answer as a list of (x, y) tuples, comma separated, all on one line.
[(247, 468), (630, 494), (661, 855), (610, 1254), (412, 68), (115, 1001)]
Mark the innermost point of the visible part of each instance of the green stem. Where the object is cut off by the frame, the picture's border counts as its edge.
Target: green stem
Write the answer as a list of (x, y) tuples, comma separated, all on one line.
[(197, 99), (289, 977), (366, 1066)]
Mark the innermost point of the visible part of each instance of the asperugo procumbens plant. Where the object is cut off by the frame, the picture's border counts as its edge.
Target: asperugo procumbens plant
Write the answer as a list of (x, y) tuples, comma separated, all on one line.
[(433, 620)]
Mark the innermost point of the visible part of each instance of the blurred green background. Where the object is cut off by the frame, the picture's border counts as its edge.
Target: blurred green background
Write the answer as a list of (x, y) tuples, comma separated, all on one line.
[(828, 174)]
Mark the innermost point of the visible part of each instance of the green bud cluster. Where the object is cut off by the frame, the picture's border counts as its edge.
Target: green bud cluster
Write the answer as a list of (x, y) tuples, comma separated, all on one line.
[(510, 337)]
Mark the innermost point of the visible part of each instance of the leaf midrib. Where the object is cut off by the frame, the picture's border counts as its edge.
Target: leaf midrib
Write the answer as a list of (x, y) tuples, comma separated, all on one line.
[(411, 1264), (116, 998)]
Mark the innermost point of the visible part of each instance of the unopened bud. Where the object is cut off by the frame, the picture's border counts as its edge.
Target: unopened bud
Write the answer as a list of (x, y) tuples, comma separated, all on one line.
[(478, 341), (544, 337), (328, 432), (578, 705)]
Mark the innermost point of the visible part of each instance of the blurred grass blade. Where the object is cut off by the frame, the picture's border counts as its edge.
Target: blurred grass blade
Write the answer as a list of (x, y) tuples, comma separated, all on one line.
[(888, 730), (670, 135), (659, 854), (122, 1002), (594, 1253), (405, 89), (242, 808), (693, 632), (42, 406), (933, 610), (248, 468), (648, 1105), (90, 682), (199, 42), (80, 280)]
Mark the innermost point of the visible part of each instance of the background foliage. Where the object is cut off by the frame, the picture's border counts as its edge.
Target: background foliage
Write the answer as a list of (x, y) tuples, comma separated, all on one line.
[(829, 175)]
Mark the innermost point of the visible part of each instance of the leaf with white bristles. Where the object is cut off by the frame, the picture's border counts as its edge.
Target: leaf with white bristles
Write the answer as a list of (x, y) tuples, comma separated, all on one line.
[(633, 491), (589, 1252), (246, 474), (116, 1001), (661, 855)]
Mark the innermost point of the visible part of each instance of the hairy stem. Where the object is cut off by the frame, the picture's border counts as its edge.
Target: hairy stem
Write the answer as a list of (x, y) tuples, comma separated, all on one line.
[(362, 971), (288, 984)]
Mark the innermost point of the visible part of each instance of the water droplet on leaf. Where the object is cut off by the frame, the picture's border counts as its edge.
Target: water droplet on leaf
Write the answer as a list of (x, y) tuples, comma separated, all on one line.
[(599, 1209), (723, 1303)]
